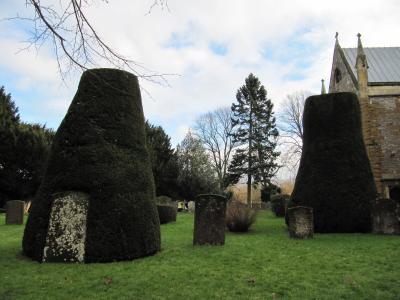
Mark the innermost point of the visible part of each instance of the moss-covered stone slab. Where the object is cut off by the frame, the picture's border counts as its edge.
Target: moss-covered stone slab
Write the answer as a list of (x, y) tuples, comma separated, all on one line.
[(386, 217), (15, 212), (300, 222), (209, 220), (334, 177), (100, 149), (66, 235)]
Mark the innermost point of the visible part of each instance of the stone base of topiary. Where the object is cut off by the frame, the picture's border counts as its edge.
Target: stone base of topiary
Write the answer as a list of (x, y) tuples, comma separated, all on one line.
[(300, 222), (386, 217)]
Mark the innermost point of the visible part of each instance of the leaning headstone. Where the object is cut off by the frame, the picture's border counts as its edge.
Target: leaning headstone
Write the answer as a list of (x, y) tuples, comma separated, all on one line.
[(209, 220), (65, 240), (301, 222), (386, 217), (100, 150), (15, 212), (191, 206), (334, 176)]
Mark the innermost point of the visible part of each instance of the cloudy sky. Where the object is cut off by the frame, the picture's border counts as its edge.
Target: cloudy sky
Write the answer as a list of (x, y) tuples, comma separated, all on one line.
[(212, 45)]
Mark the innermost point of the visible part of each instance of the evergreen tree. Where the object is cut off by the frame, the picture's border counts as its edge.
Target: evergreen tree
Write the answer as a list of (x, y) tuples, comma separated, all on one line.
[(163, 160), (196, 174), (23, 152), (255, 131)]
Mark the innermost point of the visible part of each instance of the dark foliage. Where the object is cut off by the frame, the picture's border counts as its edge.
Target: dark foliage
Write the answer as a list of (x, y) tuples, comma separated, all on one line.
[(196, 174), (279, 203), (24, 149), (268, 191), (100, 149), (167, 213), (164, 161), (239, 217), (334, 176)]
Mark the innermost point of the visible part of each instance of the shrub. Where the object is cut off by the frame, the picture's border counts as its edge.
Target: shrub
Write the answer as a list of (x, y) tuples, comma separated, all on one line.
[(239, 217), (166, 213), (335, 176), (164, 200), (279, 203), (100, 149)]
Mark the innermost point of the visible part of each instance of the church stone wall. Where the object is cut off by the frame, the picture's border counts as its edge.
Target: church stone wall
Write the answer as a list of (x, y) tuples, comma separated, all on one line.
[(346, 83), (385, 137)]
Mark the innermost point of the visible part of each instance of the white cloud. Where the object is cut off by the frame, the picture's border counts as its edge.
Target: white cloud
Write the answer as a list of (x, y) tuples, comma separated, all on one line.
[(207, 80)]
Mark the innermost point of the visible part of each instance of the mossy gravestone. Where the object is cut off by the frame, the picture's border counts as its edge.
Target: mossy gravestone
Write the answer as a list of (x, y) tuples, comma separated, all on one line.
[(386, 217), (334, 176), (98, 156), (300, 222), (209, 220)]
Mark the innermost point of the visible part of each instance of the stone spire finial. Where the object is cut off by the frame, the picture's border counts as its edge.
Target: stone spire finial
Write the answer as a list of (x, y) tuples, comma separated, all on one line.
[(336, 35), (323, 90), (360, 52)]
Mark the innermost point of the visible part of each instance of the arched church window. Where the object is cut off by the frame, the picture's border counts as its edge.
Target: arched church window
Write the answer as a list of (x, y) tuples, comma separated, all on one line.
[(338, 75)]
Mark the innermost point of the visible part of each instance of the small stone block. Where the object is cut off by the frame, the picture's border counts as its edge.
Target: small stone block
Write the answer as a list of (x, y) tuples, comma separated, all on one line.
[(15, 212), (66, 236), (209, 220), (300, 222), (386, 217)]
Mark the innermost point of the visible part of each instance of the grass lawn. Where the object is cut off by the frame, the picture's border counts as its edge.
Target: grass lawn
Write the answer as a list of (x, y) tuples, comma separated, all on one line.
[(262, 264)]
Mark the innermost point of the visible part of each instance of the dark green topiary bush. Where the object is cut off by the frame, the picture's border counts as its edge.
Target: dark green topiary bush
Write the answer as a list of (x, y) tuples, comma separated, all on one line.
[(334, 176), (99, 149), (279, 203), (167, 213)]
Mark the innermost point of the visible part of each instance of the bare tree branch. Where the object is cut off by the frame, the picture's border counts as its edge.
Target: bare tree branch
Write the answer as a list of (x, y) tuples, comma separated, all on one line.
[(290, 124), (214, 131), (75, 42)]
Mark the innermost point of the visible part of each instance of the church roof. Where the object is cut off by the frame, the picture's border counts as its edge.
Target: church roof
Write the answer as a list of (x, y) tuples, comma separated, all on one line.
[(383, 63)]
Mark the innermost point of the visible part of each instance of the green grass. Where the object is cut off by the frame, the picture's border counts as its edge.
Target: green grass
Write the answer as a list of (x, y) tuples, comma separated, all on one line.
[(262, 264)]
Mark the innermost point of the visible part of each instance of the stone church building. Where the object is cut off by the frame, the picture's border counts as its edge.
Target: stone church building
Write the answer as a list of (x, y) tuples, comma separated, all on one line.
[(374, 75)]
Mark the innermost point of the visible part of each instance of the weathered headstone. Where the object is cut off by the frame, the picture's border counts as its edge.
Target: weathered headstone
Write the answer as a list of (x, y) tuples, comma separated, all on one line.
[(191, 206), (386, 217), (65, 240), (301, 222), (209, 220), (334, 176), (100, 150), (15, 212)]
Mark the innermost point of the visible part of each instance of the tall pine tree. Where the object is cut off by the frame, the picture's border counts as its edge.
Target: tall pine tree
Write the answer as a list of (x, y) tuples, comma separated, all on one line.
[(255, 130)]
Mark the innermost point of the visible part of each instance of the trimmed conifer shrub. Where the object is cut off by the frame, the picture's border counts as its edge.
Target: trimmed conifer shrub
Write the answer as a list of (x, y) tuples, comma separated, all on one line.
[(167, 213), (279, 203), (335, 176), (99, 149)]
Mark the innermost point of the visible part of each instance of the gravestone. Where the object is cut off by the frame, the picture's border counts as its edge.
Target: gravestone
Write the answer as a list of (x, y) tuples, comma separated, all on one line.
[(300, 222), (100, 150), (65, 240), (334, 177), (15, 212), (191, 206), (209, 220), (386, 217)]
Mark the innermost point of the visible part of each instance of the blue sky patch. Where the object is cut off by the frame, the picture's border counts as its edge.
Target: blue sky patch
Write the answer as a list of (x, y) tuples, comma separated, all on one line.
[(218, 48)]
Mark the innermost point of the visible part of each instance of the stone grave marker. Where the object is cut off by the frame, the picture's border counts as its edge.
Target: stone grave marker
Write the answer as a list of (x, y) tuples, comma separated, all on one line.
[(209, 220), (15, 212), (386, 217), (300, 222)]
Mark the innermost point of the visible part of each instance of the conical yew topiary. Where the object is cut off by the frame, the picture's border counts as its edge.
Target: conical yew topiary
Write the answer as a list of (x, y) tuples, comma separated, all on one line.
[(334, 176), (99, 151)]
